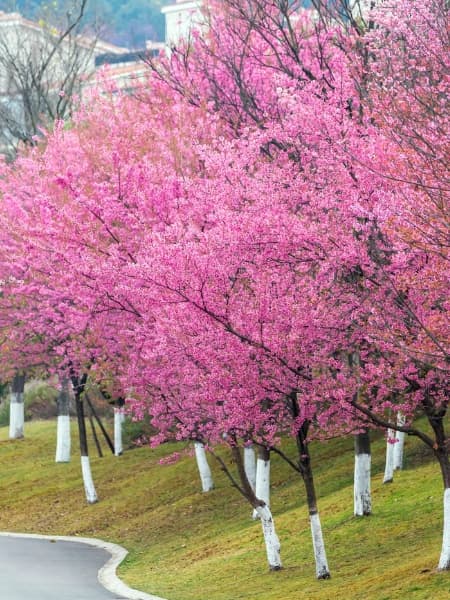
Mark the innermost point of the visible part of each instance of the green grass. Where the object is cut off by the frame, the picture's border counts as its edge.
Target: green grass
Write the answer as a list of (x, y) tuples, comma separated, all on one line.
[(185, 545)]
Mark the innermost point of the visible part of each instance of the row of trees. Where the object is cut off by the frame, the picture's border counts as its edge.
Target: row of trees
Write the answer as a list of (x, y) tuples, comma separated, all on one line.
[(255, 243)]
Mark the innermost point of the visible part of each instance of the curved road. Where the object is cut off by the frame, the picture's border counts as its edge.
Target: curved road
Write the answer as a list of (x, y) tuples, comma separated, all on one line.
[(34, 569)]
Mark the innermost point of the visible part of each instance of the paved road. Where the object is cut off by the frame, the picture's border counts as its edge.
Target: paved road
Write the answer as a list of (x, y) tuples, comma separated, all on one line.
[(32, 569)]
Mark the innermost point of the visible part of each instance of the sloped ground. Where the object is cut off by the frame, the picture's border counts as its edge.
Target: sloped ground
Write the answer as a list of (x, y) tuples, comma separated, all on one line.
[(185, 545)]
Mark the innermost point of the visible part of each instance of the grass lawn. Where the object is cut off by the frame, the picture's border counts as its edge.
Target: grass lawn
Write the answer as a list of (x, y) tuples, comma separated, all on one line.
[(185, 545)]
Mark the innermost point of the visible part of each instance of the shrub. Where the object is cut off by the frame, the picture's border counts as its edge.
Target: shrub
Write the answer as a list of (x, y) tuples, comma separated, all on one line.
[(135, 431), (40, 400), (4, 412)]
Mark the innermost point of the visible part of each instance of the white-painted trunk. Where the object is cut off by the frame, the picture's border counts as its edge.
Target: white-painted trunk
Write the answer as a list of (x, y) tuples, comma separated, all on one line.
[(250, 465), (262, 487), (322, 571), (118, 420), (270, 538), (203, 467), (398, 447), (63, 439), (16, 416), (444, 561), (362, 500), (389, 467), (91, 494)]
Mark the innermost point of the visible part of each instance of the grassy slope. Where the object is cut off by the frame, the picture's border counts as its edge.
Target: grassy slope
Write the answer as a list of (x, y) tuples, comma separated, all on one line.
[(185, 545)]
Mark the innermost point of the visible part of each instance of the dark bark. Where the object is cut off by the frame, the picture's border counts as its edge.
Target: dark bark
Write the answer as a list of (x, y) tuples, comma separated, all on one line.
[(100, 424), (444, 463), (304, 458), (18, 384), (63, 401), (306, 472), (362, 443), (94, 435), (441, 446), (78, 388), (263, 453)]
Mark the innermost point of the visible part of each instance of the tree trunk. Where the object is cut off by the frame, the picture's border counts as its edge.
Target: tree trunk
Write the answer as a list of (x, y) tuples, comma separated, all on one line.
[(443, 457), (16, 408), (203, 467), (441, 451), (89, 488), (250, 465), (262, 485), (389, 467), (118, 421), (271, 539), (322, 570), (362, 498), (63, 424), (400, 443), (444, 560)]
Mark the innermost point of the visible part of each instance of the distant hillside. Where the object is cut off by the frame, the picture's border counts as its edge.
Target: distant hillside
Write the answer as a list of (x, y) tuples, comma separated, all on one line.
[(124, 22)]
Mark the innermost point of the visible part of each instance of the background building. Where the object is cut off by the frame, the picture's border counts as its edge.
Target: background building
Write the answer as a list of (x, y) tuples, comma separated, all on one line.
[(42, 72), (180, 18)]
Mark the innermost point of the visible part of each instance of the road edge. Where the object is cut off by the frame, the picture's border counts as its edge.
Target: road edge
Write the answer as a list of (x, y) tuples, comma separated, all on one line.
[(107, 574)]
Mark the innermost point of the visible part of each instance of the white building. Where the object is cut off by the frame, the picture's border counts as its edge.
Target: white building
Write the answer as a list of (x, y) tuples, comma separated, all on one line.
[(181, 17), (40, 71)]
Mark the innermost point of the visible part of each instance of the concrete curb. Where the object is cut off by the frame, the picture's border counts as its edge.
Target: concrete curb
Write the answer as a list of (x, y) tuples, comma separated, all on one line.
[(107, 574)]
